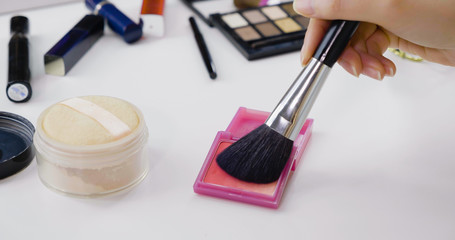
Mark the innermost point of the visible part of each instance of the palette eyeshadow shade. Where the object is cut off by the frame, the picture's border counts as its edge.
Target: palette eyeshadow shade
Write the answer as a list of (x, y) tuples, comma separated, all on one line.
[(263, 31)]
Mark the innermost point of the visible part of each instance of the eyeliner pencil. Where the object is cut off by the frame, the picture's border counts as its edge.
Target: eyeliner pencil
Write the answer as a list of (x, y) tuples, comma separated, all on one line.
[(203, 48)]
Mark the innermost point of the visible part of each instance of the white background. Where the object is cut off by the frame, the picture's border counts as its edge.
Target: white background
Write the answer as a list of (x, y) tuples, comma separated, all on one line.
[(18, 5), (380, 164)]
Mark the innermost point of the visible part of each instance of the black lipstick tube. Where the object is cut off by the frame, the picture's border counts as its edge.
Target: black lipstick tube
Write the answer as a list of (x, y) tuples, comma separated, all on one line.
[(18, 88)]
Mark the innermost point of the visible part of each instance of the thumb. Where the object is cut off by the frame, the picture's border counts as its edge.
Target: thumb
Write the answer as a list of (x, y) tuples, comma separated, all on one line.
[(341, 9)]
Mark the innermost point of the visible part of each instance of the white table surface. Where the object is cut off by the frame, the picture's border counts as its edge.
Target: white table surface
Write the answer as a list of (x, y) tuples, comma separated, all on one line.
[(380, 164)]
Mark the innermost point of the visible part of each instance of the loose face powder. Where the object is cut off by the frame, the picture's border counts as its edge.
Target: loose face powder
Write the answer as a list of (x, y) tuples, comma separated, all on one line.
[(91, 146)]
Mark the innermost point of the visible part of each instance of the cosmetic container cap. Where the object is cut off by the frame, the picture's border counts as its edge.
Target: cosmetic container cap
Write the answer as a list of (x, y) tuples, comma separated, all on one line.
[(152, 13), (16, 148), (117, 20), (67, 52), (19, 24)]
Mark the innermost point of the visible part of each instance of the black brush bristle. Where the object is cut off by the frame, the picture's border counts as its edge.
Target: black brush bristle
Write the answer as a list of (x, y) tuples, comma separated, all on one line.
[(258, 157)]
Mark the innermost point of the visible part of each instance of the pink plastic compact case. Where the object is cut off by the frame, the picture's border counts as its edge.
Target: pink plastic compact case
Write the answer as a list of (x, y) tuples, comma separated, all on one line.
[(213, 181)]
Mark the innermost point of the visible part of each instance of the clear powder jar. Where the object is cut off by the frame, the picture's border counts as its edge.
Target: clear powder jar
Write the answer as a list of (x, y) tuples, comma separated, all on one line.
[(80, 152)]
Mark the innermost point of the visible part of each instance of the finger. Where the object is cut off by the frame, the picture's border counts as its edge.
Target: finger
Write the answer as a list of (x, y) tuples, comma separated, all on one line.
[(369, 65), (389, 66), (314, 34), (371, 11), (441, 56), (350, 60), (367, 57), (371, 53), (372, 66), (376, 45), (364, 31), (355, 62)]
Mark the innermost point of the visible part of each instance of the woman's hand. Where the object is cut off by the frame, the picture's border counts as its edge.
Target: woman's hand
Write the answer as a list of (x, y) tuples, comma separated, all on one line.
[(420, 27)]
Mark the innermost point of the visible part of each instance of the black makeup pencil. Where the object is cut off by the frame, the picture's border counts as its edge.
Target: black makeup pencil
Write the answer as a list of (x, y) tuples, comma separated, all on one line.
[(203, 48), (261, 155), (18, 88)]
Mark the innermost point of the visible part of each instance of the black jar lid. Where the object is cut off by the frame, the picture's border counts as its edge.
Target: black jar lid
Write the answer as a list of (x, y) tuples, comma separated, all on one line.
[(16, 143)]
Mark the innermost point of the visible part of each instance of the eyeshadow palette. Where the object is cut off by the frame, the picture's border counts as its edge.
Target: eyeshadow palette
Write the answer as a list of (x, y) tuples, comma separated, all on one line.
[(263, 31)]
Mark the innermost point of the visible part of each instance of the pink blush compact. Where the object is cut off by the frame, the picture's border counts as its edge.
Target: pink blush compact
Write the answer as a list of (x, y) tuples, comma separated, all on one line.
[(217, 176), (213, 181)]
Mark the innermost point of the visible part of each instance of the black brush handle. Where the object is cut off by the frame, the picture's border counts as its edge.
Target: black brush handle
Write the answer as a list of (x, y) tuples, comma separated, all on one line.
[(335, 41)]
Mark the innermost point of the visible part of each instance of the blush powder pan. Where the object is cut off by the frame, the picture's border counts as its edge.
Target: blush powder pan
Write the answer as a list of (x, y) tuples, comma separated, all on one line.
[(217, 176), (263, 31), (213, 181)]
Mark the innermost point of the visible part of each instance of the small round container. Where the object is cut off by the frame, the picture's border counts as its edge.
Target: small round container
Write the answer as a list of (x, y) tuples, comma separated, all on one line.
[(90, 165), (16, 148)]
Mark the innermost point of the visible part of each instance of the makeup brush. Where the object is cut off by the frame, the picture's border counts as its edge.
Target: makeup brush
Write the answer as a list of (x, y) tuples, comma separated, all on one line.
[(261, 155)]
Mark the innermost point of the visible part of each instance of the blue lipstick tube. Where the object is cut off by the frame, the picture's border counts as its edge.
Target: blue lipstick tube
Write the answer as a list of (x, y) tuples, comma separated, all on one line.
[(117, 21), (66, 52)]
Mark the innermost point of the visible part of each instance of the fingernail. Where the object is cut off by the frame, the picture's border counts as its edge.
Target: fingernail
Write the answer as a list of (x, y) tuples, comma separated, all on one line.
[(304, 7), (373, 73), (303, 58), (348, 67), (390, 72), (304, 61)]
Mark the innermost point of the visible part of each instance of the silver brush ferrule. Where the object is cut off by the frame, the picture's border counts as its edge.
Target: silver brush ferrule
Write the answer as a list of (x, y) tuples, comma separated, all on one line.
[(291, 112)]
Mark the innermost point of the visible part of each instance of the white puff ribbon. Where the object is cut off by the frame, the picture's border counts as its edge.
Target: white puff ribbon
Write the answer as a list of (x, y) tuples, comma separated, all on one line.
[(109, 121)]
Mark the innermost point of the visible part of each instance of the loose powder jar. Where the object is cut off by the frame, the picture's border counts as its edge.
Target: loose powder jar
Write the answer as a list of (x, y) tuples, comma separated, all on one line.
[(91, 146)]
